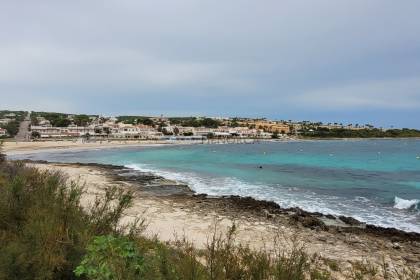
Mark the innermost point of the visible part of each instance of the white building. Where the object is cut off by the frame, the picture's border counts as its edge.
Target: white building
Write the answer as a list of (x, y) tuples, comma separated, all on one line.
[(57, 132), (3, 132), (5, 121), (203, 131), (136, 132)]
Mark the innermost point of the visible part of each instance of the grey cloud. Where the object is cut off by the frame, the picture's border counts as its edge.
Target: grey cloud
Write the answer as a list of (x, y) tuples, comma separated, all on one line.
[(231, 57), (388, 94)]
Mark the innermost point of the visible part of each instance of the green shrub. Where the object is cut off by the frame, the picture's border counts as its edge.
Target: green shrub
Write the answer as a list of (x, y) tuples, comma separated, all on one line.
[(110, 257), (2, 156), (43, 228)]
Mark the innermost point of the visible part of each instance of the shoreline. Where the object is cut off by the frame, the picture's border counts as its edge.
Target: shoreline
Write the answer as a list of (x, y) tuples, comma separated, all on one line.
[(173, 210), (325, 218), (313, 220), (21, 148), (14, 147)]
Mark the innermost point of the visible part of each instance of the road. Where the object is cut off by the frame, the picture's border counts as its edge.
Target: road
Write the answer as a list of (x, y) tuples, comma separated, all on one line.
[(23, 134)]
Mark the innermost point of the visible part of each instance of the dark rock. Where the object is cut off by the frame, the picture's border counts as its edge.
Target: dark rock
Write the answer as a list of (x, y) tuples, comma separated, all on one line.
[(309, 221), (349, 220), (329, 216), (200, 195), (393, 234)]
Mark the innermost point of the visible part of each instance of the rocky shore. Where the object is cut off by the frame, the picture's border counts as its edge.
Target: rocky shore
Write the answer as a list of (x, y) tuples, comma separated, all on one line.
[(172, 208), (160, 186)]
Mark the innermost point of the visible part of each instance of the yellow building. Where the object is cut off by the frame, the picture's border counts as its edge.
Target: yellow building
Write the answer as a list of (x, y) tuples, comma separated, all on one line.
[(271, 126)]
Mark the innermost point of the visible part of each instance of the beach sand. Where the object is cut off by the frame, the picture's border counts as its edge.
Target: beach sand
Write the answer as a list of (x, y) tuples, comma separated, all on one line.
[(13, 147), (180, 214)]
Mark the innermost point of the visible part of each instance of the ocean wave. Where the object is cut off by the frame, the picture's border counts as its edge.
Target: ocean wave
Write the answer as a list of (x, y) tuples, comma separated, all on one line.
[(400, 203), (360, 208)]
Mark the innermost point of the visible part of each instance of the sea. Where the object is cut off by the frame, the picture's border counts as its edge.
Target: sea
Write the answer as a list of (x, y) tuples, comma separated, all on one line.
[(374, 181)]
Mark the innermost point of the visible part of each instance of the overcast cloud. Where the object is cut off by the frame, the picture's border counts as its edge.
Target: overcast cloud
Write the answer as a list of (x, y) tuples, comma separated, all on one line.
[(339, 61)]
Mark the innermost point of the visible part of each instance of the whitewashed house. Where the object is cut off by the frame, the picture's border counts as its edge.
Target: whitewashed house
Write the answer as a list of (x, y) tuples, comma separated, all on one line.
[(5, 121), (3, 132)]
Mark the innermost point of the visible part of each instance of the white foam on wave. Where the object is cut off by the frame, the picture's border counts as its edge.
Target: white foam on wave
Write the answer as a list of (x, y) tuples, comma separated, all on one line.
[(400, 203), (201, 184), (360, 208)]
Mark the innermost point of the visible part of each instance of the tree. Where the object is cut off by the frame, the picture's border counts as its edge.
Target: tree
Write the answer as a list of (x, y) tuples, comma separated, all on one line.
[(146, 121), (61, 122), (166, 132), (176, 130), (106, 130), (12, 128), (2, 156), (81, 120), (35, 134)]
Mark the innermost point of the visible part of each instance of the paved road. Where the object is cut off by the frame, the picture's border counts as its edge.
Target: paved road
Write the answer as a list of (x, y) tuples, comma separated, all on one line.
[(23, 134)]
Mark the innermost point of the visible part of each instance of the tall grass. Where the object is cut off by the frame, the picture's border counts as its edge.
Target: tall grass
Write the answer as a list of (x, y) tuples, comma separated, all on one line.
[(46, 234), (43, 228)]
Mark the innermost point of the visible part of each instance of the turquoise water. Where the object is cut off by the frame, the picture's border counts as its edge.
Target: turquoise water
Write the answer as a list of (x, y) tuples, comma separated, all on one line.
[(376, 181)]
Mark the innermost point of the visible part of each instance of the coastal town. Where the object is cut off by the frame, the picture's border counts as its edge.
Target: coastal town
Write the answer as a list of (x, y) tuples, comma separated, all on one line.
[(346, 246), (45, 126)]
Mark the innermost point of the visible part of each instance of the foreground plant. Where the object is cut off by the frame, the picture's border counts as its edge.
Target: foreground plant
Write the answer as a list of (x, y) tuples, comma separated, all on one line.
[(109, 257), (44, 230)]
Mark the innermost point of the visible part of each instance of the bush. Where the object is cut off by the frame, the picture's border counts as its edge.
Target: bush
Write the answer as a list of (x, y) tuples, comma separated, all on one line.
[(109, 257), (43, 228), (2, 156), (35, 134)]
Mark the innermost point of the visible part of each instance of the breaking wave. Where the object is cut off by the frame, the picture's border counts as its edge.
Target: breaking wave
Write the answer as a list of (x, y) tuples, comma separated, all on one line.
[(360, 208), (400, 203)]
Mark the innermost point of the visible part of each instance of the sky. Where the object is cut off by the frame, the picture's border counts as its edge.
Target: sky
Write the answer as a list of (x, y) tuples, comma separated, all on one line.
[(350, 61)]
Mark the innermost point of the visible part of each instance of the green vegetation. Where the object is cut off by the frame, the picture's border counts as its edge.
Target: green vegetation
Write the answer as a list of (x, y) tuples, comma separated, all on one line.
[(61, 120), (19, 115), (195, 122), (45, 233), (56, 119), (35, 134), (360, 133), (110, 257), (136, 120), (15, 117), (12, 127), (81, 120)]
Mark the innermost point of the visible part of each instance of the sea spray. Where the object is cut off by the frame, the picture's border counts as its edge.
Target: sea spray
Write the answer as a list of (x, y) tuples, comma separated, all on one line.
[(402, 204)]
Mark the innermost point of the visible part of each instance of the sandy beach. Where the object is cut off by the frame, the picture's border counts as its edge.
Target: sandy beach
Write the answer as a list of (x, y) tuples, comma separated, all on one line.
[(12, 147), (173, 211), (16, 147)]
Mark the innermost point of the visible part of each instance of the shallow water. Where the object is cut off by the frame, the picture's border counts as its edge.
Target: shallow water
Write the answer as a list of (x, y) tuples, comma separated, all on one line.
[(375, 181)]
